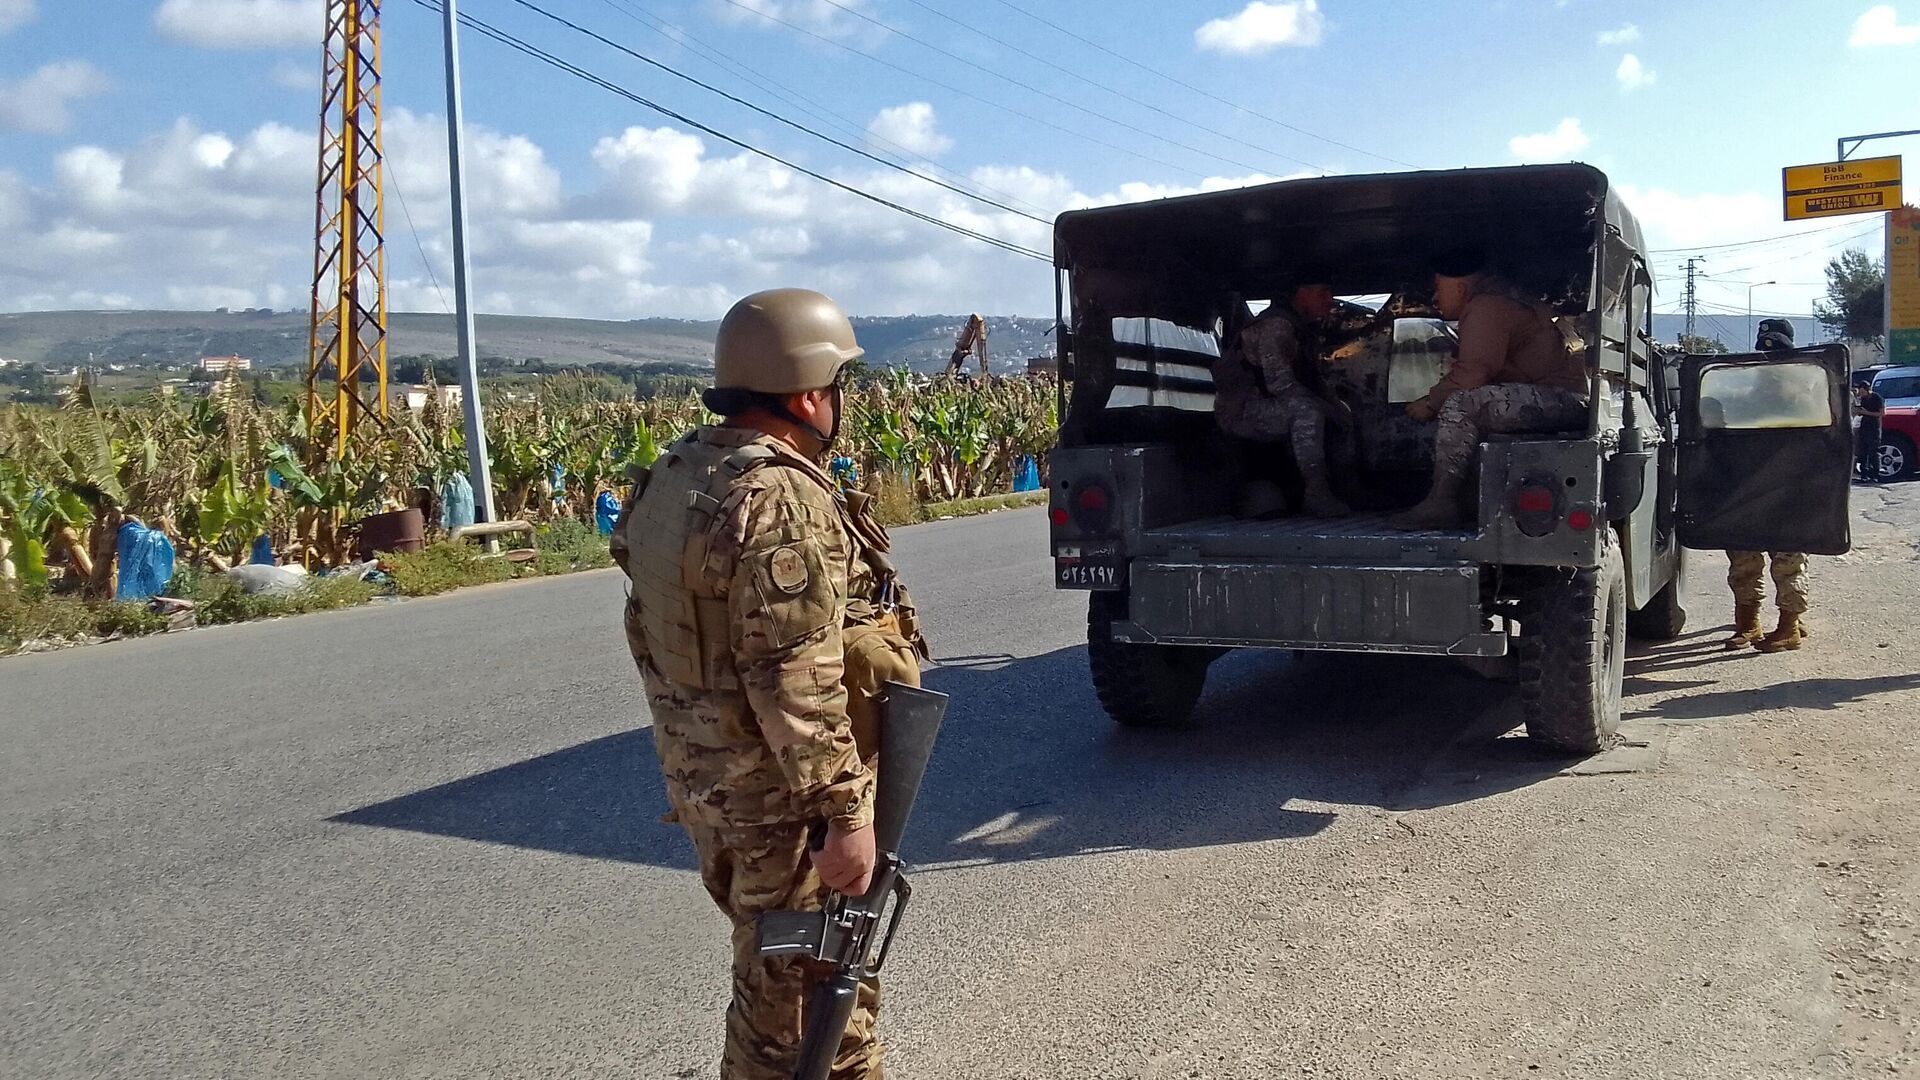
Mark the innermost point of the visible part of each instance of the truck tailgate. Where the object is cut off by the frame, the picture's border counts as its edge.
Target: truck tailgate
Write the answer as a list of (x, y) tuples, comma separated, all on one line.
[(1353, 607)]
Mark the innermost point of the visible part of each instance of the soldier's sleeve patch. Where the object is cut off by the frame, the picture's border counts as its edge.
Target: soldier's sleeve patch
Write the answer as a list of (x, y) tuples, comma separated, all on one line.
[(787, 570), (794, 596)]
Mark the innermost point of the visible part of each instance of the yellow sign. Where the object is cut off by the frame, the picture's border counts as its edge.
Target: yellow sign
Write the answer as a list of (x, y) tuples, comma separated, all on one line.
[(1834, 188), (1903, 286)]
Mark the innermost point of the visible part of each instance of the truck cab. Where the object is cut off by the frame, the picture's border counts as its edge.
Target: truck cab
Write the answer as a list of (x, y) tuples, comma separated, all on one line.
[(1572, 538)]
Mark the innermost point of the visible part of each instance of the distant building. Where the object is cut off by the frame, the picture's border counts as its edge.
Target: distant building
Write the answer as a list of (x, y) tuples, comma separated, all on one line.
[(220, 365), (415, 397)]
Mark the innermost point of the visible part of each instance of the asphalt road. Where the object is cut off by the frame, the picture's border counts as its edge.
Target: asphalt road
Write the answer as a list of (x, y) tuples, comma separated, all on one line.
[(419, 840)]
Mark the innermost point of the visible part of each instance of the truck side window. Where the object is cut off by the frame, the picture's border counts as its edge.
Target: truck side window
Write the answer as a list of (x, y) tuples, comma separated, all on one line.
[(1423, 349), (1161, 363), (1767, 396)]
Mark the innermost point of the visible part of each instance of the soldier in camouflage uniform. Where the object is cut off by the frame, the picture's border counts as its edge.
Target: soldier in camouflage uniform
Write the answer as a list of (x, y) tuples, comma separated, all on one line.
[(1258, 395), (1512, 372), (1747, 570), (763, 616)]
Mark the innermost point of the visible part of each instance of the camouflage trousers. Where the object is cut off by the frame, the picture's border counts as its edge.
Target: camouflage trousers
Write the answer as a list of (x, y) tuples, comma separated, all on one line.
[(1294, 418), (1746, 570), (1471, 415), (749, 871)]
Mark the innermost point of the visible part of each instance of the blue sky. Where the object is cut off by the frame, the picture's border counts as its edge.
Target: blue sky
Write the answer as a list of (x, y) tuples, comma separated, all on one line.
[(162, 155)]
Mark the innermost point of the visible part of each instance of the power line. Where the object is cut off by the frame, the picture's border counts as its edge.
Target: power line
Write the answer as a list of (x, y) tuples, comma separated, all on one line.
[(1123, 58), (770, 114), (809, 106), (394, 175), (1030, 88), (1751, 243), (579, 72), (968, 94), (1123, 95)]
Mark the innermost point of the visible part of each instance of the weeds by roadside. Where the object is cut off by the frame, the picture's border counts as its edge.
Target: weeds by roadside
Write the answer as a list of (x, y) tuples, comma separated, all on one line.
[(30, 614)]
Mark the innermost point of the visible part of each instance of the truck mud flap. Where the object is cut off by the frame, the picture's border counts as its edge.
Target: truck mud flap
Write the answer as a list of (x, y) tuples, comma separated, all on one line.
[(1428, 609)]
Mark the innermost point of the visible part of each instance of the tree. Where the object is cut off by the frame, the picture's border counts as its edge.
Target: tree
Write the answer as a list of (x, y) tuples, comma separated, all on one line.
[(1694, 344), (1856, 305)]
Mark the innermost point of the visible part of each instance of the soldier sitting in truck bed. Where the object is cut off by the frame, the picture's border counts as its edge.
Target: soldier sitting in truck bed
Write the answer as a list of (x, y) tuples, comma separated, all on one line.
[(1514, 373), (1260, 396)]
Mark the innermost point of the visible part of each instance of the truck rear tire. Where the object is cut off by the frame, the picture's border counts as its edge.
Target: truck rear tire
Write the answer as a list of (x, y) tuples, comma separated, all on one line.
[(1573, 656), (1141, 686), (1665, 616)]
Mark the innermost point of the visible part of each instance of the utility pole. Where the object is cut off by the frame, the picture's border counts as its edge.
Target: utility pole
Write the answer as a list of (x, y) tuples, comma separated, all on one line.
[(476, 433), (1691, 300)]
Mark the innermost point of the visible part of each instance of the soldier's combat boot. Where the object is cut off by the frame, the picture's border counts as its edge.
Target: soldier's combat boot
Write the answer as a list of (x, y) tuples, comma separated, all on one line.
[(1785, 637), (1439, 510), (1746, 626)]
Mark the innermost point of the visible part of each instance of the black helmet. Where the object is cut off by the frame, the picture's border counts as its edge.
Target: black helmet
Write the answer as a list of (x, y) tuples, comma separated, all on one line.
[(1775, 334)]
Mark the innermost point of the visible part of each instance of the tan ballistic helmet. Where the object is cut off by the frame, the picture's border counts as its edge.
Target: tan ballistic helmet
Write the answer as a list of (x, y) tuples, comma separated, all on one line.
[(783, 341)]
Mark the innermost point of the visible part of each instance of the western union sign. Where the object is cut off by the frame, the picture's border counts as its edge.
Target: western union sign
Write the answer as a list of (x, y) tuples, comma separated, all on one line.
[(1834, 188)]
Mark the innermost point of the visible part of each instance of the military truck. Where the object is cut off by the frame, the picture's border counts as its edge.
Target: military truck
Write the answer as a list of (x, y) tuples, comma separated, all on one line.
[(1575, 539)]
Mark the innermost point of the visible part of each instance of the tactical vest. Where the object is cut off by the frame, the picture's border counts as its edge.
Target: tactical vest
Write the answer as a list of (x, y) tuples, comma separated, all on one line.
[(674, 619), (672, 613)]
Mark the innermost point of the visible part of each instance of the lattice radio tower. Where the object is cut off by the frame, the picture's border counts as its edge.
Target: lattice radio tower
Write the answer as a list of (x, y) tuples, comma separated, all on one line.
[(347, 350)]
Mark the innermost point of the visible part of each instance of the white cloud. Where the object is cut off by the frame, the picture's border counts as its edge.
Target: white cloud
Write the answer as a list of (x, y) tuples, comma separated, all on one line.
[(1881, 25), (911, 127), (41, 102), (1262, 27), (1632, 74), (658, 222), (1625, 35), (242, 24), (297, 76), (1560, 144), (16, 13), (815, 15)]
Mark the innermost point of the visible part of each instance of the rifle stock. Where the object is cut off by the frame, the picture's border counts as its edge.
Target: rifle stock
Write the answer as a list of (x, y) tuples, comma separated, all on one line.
[(843, 932)]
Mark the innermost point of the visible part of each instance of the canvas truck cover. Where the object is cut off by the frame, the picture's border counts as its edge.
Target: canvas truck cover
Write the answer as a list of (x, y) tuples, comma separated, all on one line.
[(1371, 234)]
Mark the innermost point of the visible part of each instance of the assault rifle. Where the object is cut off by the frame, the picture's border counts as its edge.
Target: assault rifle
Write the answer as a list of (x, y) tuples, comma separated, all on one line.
[(843, 932)]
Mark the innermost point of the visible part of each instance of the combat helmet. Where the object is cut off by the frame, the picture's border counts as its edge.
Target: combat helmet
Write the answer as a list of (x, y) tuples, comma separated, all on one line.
[(783, 341), (1774, 335)]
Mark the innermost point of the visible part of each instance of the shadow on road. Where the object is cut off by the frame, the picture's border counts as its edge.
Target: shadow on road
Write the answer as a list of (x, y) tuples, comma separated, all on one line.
[(1823, 694), (1028, 767)]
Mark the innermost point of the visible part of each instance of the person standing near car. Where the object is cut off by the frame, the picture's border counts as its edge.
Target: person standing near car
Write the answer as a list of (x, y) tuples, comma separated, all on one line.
[(1872, 410), (1746, 569)]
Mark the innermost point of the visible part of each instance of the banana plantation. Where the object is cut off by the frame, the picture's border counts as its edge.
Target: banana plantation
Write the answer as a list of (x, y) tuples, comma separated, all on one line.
[(216, 474)]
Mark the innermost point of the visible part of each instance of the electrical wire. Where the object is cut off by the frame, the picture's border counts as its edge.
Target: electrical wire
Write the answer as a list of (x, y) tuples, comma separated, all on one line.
[(534, 51), (770, 114), (1049, 95), (968, 94), (1121, 94), (680, 37), (1156, 72), (1751, 243), (394, 175)]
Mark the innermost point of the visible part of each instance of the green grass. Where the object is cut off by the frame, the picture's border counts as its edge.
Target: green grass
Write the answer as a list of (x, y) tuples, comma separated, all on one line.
[(984, 505), (32, 614), (441, 567)]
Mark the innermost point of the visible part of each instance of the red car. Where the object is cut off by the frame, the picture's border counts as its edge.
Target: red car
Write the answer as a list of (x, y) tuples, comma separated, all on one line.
[(1900, 442)]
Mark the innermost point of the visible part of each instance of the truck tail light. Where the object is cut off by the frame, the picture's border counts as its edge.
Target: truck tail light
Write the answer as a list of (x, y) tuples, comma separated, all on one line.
[(1533, 500), (1580, 520), (1091, 504), (1536, 509)]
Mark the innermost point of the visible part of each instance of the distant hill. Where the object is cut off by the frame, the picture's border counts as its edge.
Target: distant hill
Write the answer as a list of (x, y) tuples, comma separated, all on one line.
[(279, 338)]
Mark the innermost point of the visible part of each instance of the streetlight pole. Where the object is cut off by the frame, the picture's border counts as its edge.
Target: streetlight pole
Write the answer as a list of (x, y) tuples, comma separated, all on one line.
[(476, 423), (1750, 289)]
